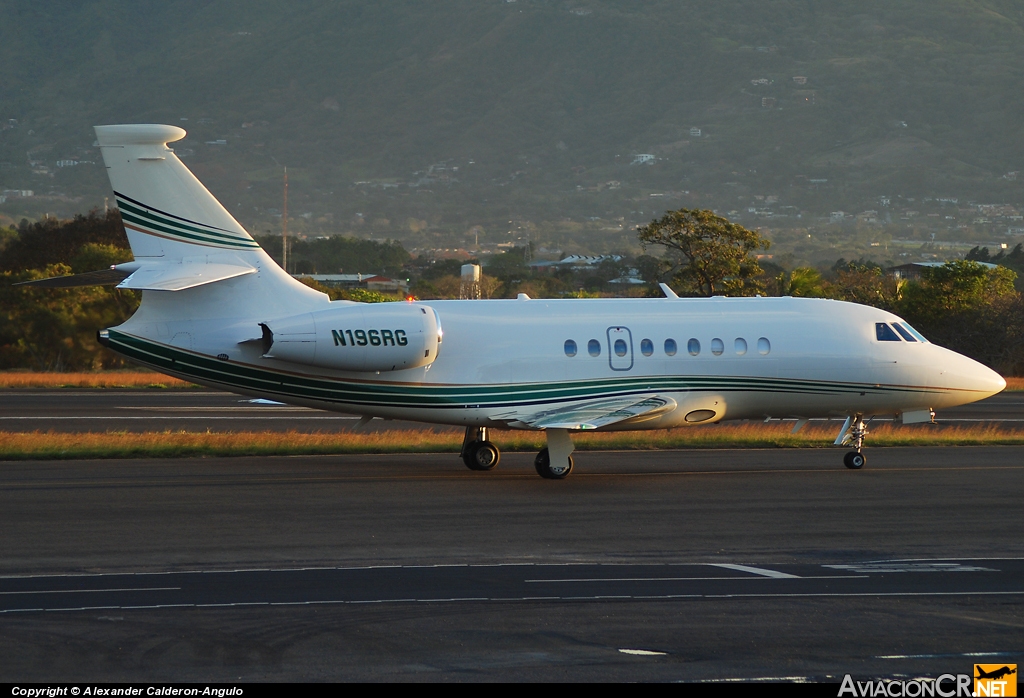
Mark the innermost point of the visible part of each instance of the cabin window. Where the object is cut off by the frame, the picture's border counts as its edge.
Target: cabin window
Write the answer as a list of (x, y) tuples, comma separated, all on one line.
[(670, 347), (740, 345), (907, 332), (570, 348), (763, 346), (646, 347), (594, 347), (693, 346), (620, 347), (884, 333), (717, 346)]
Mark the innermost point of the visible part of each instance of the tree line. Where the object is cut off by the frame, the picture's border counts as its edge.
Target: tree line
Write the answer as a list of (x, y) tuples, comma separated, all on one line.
[(964, 305)]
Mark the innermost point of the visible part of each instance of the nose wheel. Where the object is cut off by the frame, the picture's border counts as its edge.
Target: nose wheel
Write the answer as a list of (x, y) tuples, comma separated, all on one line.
[(854, 460), (852, 434), (477, 452)]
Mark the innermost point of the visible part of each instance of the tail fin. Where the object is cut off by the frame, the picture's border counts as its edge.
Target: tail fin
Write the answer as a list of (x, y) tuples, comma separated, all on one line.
[(185, 243), (167, 212)]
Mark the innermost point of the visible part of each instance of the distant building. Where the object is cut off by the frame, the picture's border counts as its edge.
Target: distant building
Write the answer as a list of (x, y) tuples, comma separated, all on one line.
[(643, 159), (836, 216), (913, 270), (768, 102), (799, 79), (371, 282), (695, 132)]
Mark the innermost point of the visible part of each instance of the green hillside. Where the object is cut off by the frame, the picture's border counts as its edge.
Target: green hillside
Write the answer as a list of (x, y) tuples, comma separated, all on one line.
[(528, 115)]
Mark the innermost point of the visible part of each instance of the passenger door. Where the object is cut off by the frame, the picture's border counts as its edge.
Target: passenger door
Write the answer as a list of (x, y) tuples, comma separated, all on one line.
[(620, 348)]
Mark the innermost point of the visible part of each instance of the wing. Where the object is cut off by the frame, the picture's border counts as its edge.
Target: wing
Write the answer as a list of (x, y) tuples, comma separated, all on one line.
[(590, 415)]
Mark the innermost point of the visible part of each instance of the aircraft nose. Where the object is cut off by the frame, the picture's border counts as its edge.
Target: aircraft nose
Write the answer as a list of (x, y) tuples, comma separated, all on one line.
[(968, 374), (988, 380)]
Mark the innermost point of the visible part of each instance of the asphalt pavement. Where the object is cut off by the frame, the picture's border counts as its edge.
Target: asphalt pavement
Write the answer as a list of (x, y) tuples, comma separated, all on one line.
[(654, 566)]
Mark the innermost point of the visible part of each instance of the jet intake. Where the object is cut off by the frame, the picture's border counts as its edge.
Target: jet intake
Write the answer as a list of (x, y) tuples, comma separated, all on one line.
[(357, 337)]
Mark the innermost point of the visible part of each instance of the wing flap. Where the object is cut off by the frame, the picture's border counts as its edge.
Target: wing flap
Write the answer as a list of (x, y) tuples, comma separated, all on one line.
[(592, 415)]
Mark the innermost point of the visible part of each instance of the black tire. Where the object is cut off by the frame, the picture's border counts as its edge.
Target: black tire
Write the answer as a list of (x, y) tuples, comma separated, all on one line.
[(482, 455), (854, 460), (543, 465)]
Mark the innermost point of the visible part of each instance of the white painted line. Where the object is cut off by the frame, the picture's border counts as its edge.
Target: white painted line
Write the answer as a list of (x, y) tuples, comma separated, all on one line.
[(88, 591), (947, 656), (761, 578), (644, 653), (754, 570)]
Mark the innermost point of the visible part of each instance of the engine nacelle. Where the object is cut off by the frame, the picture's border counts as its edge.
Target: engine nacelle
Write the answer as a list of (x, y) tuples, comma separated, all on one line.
[(358, 337)]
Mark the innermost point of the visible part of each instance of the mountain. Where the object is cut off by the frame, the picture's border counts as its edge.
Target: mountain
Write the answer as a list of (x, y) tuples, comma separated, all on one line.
[(454, 120)]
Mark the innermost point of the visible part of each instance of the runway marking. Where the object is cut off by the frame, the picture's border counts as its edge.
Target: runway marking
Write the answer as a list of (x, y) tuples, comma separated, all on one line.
[(89, 591), (665, 597), (644, 653), (894, 567), (760, 578), (947, 656), (755, 570)]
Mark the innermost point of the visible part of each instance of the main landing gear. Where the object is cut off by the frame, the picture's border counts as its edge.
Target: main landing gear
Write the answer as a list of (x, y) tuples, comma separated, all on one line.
[(853, 433), (477, 452), (552, 463)]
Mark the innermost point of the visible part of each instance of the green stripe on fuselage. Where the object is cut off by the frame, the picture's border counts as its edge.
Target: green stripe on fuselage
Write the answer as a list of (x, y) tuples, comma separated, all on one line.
[(246, 377)]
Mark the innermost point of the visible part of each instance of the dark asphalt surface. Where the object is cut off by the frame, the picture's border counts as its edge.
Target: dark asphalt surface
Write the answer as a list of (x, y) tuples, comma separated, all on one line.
[(160, 410), (723, 564)]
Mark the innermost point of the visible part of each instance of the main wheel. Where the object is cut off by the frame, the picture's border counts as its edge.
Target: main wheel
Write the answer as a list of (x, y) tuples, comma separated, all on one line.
[(552, 472), (854, 460), (482, 455)]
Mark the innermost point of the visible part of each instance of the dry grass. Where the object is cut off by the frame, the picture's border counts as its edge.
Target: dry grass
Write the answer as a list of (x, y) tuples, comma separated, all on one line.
[(1015, 384), (53, 445), (14, 380)]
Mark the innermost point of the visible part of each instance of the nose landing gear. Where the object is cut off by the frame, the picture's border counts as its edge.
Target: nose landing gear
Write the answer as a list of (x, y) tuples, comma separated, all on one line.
[(853, 433)]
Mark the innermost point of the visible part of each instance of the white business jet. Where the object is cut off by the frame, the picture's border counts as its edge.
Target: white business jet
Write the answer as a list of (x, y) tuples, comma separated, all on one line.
[(217, 310)]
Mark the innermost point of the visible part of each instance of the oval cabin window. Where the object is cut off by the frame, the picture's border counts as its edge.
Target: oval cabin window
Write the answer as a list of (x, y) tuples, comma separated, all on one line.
[(670, 347), (594, 347), (717, 346), (646, 347), (693, 346), (741, 346), (763, 346), (570, 348), (620, 347)]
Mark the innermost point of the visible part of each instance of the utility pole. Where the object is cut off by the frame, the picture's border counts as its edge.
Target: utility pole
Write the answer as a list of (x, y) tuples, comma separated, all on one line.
[(284, 225)]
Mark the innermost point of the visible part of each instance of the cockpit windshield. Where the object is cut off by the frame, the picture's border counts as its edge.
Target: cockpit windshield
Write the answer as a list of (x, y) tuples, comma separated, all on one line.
[(903, 326), (884, 333)]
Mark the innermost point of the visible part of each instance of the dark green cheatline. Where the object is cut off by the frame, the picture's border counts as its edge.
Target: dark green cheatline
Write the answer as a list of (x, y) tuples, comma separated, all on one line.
[(246, 377)]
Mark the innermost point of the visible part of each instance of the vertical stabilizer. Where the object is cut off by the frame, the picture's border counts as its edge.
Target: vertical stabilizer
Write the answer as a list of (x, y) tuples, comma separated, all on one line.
[(167, 212), (193, 260)]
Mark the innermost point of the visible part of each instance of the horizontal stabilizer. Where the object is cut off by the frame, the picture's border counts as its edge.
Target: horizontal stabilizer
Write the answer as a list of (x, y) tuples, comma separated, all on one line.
[(592, 415), (178, 277), (103, 277)]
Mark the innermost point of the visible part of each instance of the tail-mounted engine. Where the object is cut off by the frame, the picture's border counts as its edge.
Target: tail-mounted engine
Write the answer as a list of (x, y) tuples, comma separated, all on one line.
[(357, 337)]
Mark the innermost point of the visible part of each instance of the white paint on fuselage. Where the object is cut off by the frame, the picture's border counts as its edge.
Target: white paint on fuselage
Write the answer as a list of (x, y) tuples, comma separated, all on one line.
[(818, 343)]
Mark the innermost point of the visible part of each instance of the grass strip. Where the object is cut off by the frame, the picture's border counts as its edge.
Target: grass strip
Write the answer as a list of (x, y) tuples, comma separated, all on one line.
[(51, 445), (15, 380)]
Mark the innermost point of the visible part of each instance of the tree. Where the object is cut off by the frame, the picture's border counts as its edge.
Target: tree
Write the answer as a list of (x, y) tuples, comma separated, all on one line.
[(712, 255)]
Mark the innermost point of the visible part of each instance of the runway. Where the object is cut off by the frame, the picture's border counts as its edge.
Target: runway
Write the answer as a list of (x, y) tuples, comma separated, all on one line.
[(160, 410), (687, 565)]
